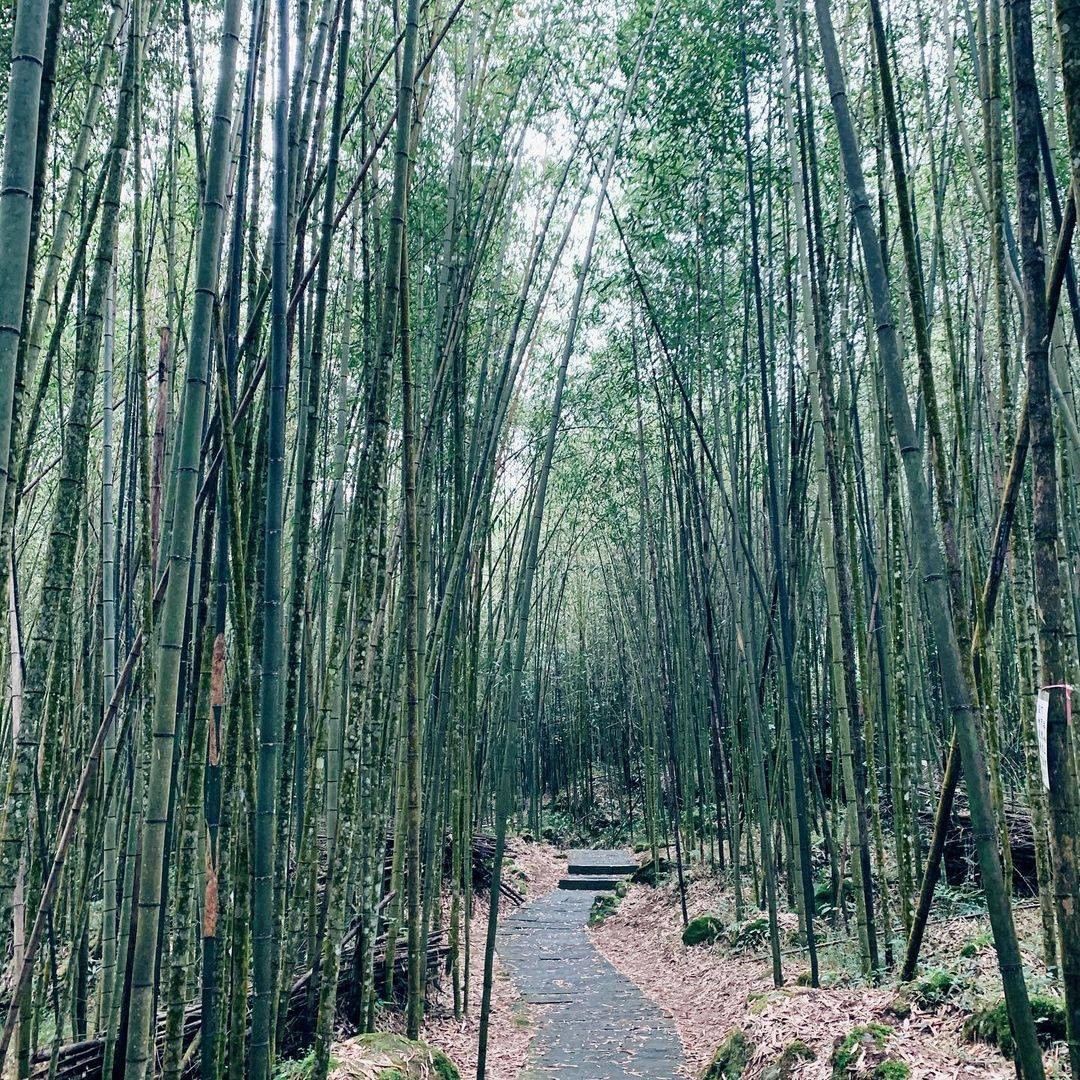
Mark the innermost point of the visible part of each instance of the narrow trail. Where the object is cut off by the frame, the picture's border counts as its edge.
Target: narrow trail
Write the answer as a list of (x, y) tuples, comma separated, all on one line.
[(597, 1025)]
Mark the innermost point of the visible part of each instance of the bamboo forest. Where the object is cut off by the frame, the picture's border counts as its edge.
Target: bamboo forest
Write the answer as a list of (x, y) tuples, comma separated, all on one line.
[(540, 539)]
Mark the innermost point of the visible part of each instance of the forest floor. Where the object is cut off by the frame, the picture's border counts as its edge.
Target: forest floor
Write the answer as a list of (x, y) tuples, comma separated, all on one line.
[(534, 870), (710, 990)]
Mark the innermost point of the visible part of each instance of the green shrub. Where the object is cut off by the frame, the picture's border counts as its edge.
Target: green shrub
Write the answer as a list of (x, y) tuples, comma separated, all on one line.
[(936, 988), (825, 896), (750, 934), (731, 1057), (973, 945), (702, 930), (300, 1069), (990, 1024)]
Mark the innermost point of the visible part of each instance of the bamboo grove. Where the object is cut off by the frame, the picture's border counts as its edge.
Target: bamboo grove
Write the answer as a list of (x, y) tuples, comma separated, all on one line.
[(425, 421)]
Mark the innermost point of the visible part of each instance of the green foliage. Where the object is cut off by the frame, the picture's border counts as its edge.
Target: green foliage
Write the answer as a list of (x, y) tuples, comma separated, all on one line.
[(299, 1069), (936, 988), (751, 934), (990, 1024), (855, 1045), (757, 1002), (825, 897), (892, 1069), (973, 945), (702, 930), (731, 1057), (952, 900)]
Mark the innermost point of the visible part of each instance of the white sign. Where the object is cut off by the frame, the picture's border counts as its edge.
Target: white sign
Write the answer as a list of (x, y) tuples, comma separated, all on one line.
[(1042, 711)]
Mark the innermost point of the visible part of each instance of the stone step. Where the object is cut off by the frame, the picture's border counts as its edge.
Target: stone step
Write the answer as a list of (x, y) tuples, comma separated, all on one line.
[(608, 869), (595, 883)]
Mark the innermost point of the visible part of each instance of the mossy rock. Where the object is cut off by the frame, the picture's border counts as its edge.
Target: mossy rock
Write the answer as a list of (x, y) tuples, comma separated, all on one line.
[(622, 888), (702, 930), (603, 907), (860, 1051), (731, 1057), (652, 874), (383, 1056), (990, 1024), (784, 1066)]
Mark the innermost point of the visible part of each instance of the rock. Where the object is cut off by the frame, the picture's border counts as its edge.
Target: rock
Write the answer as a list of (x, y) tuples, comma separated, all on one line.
[(702, 930), (382, 1056), (731, 1057)]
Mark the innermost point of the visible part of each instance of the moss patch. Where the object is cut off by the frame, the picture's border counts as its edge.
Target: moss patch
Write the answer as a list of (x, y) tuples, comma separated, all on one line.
[(936, 988), (990, 1024), (702, 930), (892, 1069), (731, 1057), (860, 1051), (652, 874)]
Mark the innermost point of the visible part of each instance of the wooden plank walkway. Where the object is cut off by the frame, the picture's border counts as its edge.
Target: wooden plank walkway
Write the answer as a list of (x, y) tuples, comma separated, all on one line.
[(597, 1024)]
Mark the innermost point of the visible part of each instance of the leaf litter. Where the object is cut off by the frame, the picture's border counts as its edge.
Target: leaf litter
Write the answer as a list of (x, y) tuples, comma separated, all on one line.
[(709, 991)]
